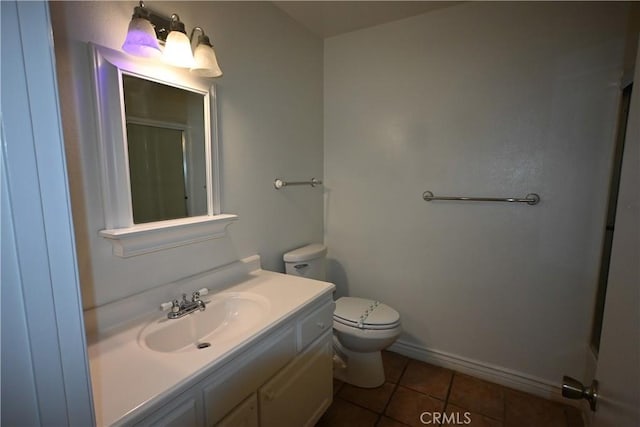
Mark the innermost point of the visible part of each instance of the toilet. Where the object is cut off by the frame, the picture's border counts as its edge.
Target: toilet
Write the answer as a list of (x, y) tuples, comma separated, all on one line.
[(362, 327)]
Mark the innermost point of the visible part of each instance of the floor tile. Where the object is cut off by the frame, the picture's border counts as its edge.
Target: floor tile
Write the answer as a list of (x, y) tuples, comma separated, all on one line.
[(525, 410), (389, 422), (344, 414), (427, 379), (459, 416), (371, 398), (478, 396), (412, 389), (394, 365), (407, 405)]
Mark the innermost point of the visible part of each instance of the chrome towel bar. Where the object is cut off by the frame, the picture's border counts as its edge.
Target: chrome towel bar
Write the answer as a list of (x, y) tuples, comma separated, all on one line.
[(279, 183), (531, 198)]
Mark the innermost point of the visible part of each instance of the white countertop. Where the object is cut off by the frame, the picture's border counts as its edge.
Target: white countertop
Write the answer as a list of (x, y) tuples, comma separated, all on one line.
[(125, 375)]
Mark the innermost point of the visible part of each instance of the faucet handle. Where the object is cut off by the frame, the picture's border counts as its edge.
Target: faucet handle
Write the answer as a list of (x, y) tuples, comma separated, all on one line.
[(172, 305), (197, 294)]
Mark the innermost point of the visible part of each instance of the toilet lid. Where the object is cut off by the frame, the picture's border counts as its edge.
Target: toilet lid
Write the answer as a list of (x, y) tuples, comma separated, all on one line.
[(365, 313)]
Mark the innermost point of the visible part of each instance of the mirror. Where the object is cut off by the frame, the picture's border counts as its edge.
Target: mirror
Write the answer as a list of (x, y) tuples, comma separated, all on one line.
[(166, 150), (158, 149)]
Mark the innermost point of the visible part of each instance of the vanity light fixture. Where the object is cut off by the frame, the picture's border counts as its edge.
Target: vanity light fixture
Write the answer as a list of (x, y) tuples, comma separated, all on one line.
[(141, 37), (149, 30), (206, 63)]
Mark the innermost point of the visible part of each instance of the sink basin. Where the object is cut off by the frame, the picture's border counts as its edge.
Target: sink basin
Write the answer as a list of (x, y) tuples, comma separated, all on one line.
[(227, 316)]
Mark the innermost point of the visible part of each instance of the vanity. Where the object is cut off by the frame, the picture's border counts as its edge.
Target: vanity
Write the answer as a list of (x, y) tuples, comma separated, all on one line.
[(276, 371), (256, 348)]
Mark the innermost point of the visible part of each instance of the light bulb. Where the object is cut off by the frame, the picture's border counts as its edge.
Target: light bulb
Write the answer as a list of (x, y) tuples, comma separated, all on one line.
[(141, 37), (206, 64), (177, 48)]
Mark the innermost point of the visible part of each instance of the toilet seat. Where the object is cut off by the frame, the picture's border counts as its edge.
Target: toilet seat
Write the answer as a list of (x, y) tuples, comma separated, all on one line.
[(362, 313)]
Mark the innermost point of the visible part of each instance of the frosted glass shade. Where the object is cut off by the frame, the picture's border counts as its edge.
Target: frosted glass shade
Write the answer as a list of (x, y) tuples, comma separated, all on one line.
[(141, 39), (177, 50), (206, 64)]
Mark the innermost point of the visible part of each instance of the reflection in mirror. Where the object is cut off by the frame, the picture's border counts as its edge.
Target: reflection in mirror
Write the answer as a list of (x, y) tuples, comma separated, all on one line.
[(166, 150)]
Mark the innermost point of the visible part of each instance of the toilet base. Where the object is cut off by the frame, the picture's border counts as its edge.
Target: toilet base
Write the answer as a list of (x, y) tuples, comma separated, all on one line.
[(359, 369)]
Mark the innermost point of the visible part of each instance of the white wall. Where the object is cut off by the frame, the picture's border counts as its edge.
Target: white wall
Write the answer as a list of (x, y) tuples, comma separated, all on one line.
[(270, 110), (481, 99)]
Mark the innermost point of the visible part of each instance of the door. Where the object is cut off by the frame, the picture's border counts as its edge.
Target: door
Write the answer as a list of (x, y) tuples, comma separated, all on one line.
[(618, 371)]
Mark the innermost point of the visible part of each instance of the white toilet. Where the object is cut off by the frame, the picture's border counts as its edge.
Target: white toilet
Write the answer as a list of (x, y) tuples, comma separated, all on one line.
[(362, 327)]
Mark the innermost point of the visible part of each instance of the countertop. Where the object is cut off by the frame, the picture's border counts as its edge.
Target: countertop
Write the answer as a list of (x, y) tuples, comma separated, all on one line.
[(125, 376)]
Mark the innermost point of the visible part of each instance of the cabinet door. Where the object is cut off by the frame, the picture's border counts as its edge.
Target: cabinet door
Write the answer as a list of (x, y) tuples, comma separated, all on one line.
[(229, 386), (300, 393), (184, 411), (244, 415)]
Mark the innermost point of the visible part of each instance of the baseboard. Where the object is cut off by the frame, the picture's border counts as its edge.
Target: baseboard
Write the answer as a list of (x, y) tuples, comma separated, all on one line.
[(485, 371)]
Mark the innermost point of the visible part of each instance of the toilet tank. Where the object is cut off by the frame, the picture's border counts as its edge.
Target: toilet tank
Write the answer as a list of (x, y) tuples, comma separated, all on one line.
[(308, 261)]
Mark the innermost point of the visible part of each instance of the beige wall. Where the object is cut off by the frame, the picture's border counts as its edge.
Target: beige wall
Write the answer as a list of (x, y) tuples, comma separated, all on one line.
[(270, 119), (483, 99)]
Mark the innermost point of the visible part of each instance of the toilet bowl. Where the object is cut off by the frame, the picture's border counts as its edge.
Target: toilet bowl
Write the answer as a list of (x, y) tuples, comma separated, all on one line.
[(362, 327)]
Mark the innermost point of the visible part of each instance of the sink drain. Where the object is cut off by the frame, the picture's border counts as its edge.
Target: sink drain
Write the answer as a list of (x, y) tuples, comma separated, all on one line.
[(202, 345)]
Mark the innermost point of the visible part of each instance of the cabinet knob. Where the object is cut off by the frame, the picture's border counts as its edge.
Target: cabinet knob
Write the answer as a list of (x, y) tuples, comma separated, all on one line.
[(269, 395), (320, 325)]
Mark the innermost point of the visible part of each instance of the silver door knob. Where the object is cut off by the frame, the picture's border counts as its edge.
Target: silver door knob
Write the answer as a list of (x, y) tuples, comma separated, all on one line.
[(573, 389)]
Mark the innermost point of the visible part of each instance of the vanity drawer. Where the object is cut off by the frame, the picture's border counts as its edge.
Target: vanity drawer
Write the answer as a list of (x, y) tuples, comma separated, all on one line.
[(313, 325)]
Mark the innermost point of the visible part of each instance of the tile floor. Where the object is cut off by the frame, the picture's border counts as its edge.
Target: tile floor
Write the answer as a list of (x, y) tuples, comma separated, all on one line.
[(414, 387)]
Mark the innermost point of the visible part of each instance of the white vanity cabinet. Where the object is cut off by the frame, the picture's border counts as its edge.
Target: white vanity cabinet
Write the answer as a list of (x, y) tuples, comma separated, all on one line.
[(300, 393), (283, 379)]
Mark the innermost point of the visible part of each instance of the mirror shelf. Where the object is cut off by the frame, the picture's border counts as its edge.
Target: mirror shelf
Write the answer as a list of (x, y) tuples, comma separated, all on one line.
[(162, 189), (155, 236)]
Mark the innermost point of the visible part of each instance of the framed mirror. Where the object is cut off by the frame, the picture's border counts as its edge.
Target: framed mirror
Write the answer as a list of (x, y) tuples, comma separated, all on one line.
[(158, 152)]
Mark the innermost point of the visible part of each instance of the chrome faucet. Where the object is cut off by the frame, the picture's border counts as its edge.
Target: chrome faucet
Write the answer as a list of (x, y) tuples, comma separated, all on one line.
[(182, 308)]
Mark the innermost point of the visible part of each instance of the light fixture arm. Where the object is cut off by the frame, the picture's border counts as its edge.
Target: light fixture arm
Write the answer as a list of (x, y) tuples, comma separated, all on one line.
[(202, 38), (194, 30), (197, 41), (176, 24), (140, 11)]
